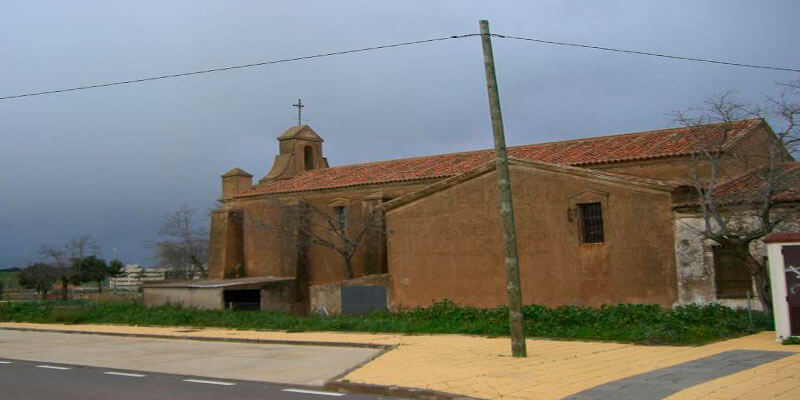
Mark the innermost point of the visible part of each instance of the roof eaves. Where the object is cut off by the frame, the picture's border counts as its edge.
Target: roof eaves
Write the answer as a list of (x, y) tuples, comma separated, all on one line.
[(438, 186), (591, 173), (321, 188)]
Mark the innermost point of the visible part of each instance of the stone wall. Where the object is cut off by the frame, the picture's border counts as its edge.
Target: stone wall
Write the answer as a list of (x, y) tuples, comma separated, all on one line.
[(694, 259)]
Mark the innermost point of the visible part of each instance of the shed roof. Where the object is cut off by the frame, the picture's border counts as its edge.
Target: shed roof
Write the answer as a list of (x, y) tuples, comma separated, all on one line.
[(220, 283)]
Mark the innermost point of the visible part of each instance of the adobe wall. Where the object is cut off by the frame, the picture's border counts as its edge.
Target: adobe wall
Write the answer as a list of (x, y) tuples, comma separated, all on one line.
[(448, 245), (665, 169), (266, 252), (225, 250)]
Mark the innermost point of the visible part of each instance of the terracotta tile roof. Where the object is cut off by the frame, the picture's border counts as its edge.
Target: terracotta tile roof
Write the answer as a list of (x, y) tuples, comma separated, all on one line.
[(577, 152), (751, 186)]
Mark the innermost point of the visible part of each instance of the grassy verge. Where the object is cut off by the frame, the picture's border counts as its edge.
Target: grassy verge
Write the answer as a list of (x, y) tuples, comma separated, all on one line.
[(627, 323), (9, 279)]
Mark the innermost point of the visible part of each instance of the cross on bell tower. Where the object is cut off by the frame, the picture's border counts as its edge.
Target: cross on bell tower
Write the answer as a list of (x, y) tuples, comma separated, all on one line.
[(299, 106)]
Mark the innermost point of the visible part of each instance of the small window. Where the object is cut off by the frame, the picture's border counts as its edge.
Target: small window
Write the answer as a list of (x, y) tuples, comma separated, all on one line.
[(591, 217), (731, 275), (340, 216)]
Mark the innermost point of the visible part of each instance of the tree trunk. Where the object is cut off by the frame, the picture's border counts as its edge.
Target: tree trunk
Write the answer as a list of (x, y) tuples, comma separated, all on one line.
[(759, 274), (64, 289), (764, 294), (348, 264), (99, 286)]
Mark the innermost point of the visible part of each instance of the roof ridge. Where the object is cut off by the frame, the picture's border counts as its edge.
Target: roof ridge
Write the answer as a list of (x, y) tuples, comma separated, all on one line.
[(604, 149), (598, 137), (613, 135)]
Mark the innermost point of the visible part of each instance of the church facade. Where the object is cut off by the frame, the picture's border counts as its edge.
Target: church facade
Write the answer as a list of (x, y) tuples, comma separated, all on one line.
[(596, 221)]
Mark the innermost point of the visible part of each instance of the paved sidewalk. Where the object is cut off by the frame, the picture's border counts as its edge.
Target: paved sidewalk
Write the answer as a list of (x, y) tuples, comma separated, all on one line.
[(483, 367)]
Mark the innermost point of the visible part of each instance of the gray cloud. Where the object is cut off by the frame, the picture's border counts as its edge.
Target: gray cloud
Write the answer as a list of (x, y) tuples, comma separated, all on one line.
[(110, 162)]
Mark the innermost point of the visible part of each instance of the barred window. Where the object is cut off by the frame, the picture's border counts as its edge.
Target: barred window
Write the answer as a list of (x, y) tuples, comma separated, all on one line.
[(731, 275), (340, 214), (591, 217)]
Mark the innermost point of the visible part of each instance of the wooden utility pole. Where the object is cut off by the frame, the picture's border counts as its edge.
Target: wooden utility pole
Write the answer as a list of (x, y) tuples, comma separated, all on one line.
[(513, 292)]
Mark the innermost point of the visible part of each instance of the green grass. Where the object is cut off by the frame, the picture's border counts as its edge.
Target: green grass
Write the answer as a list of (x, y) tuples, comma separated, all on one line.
[(649, 324)]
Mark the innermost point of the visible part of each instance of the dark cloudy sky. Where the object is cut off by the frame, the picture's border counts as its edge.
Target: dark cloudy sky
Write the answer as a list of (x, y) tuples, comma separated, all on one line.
[(110, 162)]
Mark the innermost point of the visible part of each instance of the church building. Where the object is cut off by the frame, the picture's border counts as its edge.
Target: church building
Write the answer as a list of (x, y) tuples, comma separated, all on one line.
[(599, 221)]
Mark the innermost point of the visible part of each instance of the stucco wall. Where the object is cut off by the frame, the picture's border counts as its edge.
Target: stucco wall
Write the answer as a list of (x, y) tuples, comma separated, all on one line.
[(202, 298), (226, 258), (695, 259), (265, 253), (448, 245)]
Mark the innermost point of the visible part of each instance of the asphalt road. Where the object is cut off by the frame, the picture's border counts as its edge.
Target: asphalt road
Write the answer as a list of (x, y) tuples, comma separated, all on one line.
[(258, 362), (32, 380)]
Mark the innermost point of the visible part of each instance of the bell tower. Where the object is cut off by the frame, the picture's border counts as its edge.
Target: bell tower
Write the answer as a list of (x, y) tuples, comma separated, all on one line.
[(299, 150)]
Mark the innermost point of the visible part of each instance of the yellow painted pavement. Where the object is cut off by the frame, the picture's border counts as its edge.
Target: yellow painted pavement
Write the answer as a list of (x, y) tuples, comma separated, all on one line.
[(482, 367)]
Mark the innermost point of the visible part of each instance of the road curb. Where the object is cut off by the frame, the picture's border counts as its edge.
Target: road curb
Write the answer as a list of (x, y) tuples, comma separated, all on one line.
[(209, 339), (393, 391)]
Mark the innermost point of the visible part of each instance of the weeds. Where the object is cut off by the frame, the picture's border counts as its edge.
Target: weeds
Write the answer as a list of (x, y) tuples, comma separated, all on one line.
[(634, 323)]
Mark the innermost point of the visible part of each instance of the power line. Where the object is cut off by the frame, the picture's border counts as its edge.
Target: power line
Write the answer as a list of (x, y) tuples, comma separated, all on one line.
[(645, 53), (387, 46), (257, 64)]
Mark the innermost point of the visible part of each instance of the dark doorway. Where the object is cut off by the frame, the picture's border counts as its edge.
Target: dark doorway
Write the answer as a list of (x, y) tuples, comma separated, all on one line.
[(791, 258), (242, 300)]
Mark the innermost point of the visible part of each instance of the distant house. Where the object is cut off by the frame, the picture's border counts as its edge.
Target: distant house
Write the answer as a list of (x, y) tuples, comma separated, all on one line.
[(133, 276)]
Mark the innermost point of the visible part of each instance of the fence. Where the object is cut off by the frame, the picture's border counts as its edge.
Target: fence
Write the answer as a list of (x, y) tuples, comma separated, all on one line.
[(72, 293)]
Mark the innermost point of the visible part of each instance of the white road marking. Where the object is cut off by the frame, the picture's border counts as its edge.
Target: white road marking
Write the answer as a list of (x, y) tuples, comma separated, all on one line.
[(5, 362), (209, 382), (125, 374), (53, 367), (314, 392)]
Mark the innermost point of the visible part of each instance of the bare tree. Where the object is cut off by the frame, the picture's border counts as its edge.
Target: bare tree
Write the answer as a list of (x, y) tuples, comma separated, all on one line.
[(737, 212), (82, 247), (185, 249), (308, 225), (58, 258), (66, 256), (39, 277)]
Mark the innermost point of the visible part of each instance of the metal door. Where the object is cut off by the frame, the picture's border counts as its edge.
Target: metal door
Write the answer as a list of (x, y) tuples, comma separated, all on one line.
[(791, 259), (363, 299)]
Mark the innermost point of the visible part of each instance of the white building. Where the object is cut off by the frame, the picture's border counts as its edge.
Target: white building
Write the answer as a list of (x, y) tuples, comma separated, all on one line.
[(133, 277)]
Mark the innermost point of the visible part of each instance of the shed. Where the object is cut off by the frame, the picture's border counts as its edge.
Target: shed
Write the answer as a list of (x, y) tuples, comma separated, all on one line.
[(253, 293)]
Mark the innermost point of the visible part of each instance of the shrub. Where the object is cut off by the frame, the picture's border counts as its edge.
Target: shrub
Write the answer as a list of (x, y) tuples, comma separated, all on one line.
[(636, 323), (791, 340)]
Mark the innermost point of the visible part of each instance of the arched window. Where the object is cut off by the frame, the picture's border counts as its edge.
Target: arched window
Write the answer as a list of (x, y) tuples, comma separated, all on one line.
[(308, 158)]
